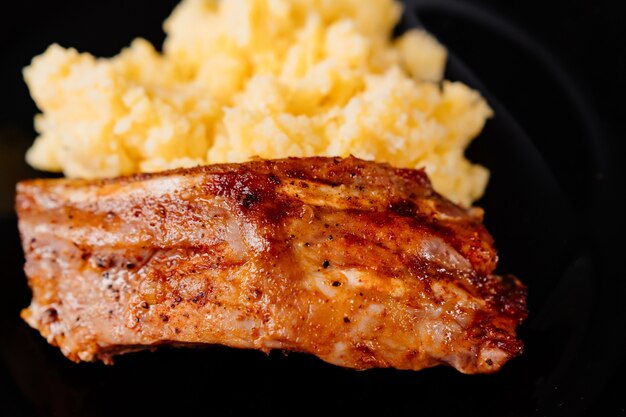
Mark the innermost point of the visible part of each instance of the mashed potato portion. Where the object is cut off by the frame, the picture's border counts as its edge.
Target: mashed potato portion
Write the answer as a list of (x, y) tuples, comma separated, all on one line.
[(268, 78)]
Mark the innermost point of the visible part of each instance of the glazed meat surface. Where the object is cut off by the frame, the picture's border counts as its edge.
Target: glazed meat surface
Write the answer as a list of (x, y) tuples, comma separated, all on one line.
[(358, 263)]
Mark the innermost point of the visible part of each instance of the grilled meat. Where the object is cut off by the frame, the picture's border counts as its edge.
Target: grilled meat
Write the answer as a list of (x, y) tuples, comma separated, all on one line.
[(356, 262)]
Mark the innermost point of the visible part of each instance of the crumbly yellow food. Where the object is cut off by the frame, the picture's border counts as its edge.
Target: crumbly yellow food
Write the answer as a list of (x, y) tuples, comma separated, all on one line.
[(268, 78)]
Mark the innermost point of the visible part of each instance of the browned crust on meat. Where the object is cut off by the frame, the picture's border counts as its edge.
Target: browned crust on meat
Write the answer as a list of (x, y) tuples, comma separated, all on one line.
[(346, 259)]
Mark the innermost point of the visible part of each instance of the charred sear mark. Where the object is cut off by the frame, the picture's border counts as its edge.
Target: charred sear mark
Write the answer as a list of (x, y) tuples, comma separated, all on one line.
[(248, 199), (295, 173), (327, 182), (200, 298), (273, 179), (50, 316), (103, 262), (404, 208), (507, 296)]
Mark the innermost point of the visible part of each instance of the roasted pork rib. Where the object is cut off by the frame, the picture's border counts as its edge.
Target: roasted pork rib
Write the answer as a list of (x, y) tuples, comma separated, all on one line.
[(356, 262)]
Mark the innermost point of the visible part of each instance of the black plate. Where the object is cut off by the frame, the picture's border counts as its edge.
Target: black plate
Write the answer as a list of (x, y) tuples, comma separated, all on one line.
[(537, 207)]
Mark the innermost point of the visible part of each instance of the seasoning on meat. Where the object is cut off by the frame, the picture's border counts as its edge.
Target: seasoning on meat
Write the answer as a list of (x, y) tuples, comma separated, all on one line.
[(240, 255)]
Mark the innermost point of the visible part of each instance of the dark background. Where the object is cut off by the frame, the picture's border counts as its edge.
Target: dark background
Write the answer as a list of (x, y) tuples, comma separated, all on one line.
[(557, 66)]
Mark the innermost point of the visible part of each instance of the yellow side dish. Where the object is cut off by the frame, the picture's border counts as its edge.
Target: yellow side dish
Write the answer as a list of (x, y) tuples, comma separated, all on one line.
[(267, 78)]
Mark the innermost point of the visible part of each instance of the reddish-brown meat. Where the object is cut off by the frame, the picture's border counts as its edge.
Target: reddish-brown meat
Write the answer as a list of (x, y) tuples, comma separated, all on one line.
[(359, 263)]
